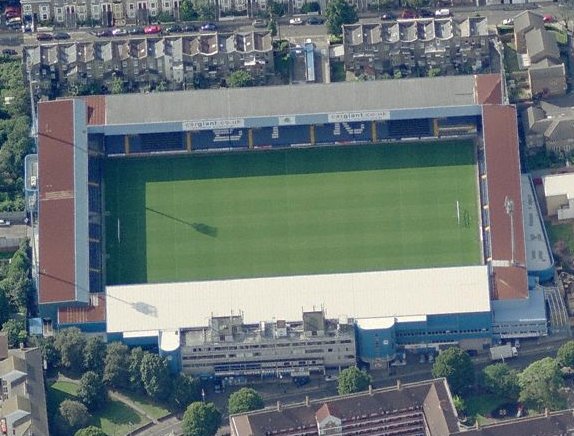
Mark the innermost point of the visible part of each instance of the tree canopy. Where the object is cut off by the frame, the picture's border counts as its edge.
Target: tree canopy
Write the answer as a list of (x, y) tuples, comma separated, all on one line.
[(201, 419), (70, 343), (73, 414), (540, 385), (245, 400), (240, 79), (15, 330), (185, 391), (310, 7), (565, 355), (117, 365), (353, 380), (340, 12), (135, 360), (92, 391), (455, 365), (90, 431), (95, 354), (501, 380), (187, 11), (155, 376)]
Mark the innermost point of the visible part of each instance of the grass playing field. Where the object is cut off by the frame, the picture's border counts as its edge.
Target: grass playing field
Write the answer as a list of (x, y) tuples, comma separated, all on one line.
[(297, 211)]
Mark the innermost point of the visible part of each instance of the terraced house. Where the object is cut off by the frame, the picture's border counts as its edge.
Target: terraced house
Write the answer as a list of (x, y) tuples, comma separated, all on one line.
[(178, 61), (445, 45)]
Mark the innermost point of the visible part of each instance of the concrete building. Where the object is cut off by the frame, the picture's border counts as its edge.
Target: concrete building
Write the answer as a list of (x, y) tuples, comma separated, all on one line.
[(559, 194), (228, 347), (177, 61), (23, 400), (445, 45)]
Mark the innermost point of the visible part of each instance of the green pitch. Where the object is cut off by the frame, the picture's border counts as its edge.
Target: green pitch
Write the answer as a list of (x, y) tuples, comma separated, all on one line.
[(297, 211)]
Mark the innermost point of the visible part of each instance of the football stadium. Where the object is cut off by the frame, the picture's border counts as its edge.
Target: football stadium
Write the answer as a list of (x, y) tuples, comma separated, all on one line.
[(160, 214)]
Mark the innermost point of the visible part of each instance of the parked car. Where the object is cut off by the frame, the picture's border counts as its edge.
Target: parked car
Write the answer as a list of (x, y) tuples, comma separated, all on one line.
[(152, 29), (508, 22), (426, 13), (137, 30), (548, 18), (173, 28), (388, 16), (208, 27), (14, 20), (296, 21), (9, 52), (314, 20), (119, 31), (188, 27), (61, 35), (442, 13), (407, 14), (259, 23), (5, 223), (44, 36), (103, 33)]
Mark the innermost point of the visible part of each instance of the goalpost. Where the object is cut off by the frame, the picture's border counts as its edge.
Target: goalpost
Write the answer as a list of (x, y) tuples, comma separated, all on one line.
[(119, 237), (457, 213)]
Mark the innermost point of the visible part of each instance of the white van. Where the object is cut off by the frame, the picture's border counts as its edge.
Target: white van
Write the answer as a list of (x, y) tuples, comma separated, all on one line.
[(442, 13)]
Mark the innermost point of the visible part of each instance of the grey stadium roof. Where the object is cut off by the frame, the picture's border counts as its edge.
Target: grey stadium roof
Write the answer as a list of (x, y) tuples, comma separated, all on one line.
[(291, 100)]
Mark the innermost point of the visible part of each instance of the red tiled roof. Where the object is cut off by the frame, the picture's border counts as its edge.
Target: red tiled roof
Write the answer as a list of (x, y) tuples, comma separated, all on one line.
[(488, 89), (56, 195), (94, 312), (503, 180), (96, 109)]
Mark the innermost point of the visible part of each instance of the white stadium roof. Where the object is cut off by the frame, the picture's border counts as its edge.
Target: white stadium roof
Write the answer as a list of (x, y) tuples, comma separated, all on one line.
[(153, 307)]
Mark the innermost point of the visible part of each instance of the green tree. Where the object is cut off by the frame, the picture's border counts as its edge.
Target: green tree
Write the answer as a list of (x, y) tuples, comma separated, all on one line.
[(352, 380), (206, 10), (240, 79), (49, 351), (501, 380), (164, 17), (90, 431), (155, 376), (540, 385), (18, 282), (15, 330), (117, 86), (565, 355), (95, 354), (73, 414), (245, 400), (201, 419), (185, 391), (134, 369), (117, 365), (92, 391), (5, 307), (455, 365), (416, 4), (340, 12), (70, 343), (310, 7), (275, 8), (459, 404), (187, 11), (272, 27)]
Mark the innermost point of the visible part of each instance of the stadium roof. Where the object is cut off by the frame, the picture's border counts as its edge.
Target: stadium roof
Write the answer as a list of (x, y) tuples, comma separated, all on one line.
[(359, 295), (233, 103)]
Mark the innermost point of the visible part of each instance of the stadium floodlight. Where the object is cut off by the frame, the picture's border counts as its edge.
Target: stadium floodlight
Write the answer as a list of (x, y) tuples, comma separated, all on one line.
[(509, 206)]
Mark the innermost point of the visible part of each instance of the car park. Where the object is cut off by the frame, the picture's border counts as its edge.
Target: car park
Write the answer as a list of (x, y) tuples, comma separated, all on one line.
[(259, 23), (173, 28), (152, 29), (61, 35), (208, 27), (296, 21), (44, 36), (314, 20)]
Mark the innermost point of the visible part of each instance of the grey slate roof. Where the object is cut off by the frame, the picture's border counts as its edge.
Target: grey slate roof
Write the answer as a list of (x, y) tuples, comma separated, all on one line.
[(528, 20), (541, 44), (291, 100)]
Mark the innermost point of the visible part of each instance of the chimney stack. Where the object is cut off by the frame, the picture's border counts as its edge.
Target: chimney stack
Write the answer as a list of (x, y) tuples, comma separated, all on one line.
[(399, 385), (371, 390), (307, 400), (278, 406)]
